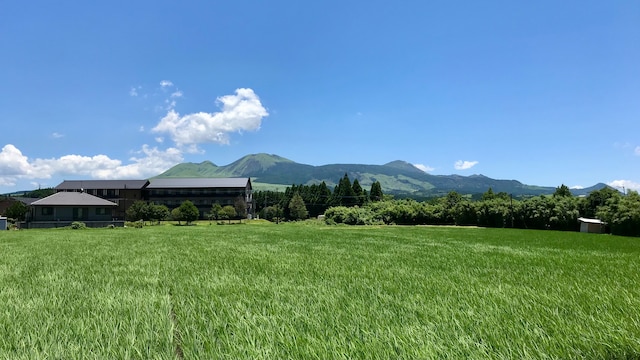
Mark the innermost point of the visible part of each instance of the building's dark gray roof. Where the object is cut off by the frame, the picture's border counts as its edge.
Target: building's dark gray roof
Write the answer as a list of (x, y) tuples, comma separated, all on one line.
[(66, 198), (186, 183), (102, 184)]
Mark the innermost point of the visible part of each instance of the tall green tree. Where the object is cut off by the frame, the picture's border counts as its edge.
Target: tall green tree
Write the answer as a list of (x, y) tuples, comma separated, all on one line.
[(376, 191), (241, 207), (18, 210), (622, 214), (562, 190), (214, 213), (139, 210), (158, 212), (597, 198), (228, 212), (297, 208), (358, 192), (343, 194), (189, 211)]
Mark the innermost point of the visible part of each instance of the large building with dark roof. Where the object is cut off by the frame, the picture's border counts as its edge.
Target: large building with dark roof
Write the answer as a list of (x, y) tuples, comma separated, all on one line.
[(203, 192), (122, 192)]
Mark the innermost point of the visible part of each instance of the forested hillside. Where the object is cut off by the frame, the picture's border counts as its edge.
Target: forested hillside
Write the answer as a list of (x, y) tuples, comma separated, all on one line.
[(397, 177)]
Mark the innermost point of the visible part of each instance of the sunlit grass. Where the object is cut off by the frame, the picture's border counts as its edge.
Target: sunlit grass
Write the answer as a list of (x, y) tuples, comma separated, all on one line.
[(307, 291)]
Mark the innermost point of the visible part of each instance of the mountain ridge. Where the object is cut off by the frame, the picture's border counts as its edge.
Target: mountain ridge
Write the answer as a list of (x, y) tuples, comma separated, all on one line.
[(396, 177)]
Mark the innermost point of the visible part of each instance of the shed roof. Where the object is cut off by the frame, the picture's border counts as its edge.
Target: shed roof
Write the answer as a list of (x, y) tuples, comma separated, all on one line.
[(102, 184), (170, 183), (72, 199), (590, 221)]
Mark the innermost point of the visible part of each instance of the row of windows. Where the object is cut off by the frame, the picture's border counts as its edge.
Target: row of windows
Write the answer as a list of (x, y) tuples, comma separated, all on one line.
[(196, 202), (197, 192), (78, 213)]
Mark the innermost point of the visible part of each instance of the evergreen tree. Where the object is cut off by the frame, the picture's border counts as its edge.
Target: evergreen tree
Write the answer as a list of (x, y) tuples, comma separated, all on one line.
[(297, 208), (562, 190), (343, 194), (357, 191), (376, 192), (489, 195)]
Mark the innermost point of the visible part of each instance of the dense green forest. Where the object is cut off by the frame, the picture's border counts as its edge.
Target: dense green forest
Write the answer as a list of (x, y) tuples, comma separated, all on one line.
[(349, 203)]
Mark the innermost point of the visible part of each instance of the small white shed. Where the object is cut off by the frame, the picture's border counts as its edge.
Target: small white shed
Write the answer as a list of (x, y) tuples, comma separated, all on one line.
[(3, 223), (591, 225)]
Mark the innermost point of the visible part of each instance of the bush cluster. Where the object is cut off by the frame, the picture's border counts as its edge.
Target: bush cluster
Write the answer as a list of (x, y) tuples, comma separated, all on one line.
[(557, 212), (78, 225), (135, 224)]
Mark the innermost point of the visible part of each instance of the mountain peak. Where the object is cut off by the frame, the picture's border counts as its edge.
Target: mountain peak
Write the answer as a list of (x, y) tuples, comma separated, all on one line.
[(254, 163), (403, 165)]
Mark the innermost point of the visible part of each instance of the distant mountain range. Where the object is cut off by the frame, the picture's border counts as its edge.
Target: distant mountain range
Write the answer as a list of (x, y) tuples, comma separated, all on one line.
[(397, 177)]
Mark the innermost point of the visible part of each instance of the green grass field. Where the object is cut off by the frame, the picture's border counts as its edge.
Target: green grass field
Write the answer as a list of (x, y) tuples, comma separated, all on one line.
[(303, 291)]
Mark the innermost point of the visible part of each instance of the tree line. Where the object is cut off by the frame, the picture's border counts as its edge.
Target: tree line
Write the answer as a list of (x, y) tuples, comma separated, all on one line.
[(299, 202), (559, 211)]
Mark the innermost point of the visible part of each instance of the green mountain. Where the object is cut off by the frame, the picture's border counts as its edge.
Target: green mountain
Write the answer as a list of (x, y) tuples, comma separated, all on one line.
[(397, 177)]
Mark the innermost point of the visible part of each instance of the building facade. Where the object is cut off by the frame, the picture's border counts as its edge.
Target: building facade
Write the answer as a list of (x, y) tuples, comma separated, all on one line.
[(63, 208), (202, 192), (122, 192)]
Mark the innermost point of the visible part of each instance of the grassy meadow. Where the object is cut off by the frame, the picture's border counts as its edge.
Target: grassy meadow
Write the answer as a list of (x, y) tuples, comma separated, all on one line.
[(306, 291)]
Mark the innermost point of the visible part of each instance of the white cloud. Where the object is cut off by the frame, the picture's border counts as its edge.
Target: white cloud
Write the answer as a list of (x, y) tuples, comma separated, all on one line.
[(464, 165), (159, 139), (133, 92), (166, 83), (57, 135), (637, 151), (177, 94), (424, 168), (14, 163), (577, 187), (240, 112), (626, 184), (147, 162)]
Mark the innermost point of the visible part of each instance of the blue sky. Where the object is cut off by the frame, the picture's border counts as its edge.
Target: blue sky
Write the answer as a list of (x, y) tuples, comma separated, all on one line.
[(544, 92)]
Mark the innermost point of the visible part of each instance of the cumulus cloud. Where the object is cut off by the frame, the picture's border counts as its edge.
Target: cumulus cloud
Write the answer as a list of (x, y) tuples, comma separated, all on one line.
[(145, 163), (624, 184), (133, 92), (240, 112), (166, 83), (576, 187), (13, 164), (56, 135), (637, 151), (176, 94), (464, 165), (423, 167)]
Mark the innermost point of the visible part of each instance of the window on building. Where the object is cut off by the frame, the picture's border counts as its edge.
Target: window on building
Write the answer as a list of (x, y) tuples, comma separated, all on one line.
[(103, 211), (47, 211), (80, 213)]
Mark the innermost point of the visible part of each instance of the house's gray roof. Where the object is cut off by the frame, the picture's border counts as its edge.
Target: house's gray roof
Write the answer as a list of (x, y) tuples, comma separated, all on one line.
[(186, 183), (67, 198), (101, 184)]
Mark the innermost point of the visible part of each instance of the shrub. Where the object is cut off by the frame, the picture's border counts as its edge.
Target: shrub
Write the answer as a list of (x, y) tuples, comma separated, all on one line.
[(135, 224), (76, 225)]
